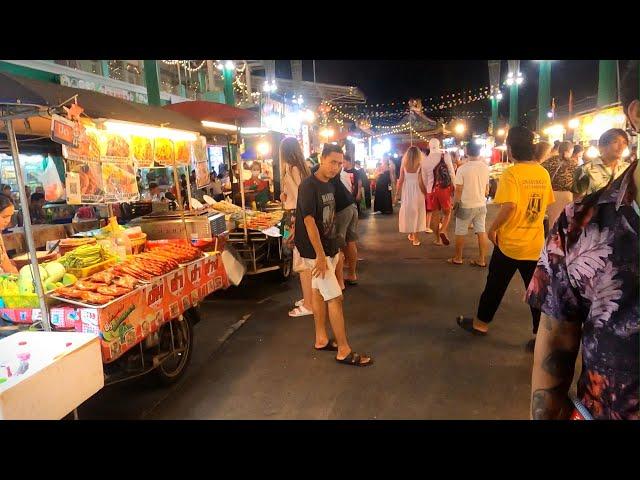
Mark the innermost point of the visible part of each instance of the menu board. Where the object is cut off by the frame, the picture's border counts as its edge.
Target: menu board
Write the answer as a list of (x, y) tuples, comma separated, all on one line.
[(163, 151), (142, 151), (114, 146), (119, 180), (202, 165), (183, 152)]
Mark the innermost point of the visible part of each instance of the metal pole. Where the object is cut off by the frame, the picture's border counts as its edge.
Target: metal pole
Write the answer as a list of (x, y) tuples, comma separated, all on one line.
[(181, 204), (241, 181), (15, 154), (314, 71), (188, 173)]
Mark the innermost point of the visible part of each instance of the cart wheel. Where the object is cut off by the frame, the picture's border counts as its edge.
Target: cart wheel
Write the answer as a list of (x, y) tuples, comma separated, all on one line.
[(173, 367), (286, 267)]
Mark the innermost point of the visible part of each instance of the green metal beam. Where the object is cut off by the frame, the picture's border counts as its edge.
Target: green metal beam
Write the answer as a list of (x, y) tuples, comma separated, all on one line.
[(105, 68), (494, 115), (13, 69), (229, 98), (607, 82), (152, 81), (544, 92), (513, 105)]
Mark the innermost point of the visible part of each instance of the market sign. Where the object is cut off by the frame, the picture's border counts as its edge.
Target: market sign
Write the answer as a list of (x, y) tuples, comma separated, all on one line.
[(62, 131)]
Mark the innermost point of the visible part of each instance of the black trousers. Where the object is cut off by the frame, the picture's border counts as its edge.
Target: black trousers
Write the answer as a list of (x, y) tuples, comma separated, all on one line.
[(501, 271)]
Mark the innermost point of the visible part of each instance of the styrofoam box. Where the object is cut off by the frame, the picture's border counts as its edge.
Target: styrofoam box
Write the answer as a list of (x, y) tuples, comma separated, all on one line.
[(65, 369)]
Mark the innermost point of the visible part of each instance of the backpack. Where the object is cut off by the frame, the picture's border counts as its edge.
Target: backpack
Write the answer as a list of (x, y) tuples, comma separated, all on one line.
[(441, 175)]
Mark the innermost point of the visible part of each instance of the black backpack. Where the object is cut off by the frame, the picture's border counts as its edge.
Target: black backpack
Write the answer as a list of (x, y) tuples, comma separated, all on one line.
[(441, 175)]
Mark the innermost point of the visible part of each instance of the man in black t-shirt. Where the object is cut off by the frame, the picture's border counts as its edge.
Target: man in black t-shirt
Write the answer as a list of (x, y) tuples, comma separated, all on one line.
[(316, 241)]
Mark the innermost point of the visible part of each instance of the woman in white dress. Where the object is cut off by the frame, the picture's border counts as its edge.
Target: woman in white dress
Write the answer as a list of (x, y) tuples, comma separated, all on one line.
[(413, 214)]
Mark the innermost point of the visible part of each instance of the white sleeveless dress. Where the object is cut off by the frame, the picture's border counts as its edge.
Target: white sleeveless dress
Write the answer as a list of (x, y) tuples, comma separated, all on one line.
[(413, 213)]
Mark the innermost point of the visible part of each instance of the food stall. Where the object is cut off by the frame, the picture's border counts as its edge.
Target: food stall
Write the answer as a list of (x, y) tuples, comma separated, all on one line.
[(138, 298), (252, 234)]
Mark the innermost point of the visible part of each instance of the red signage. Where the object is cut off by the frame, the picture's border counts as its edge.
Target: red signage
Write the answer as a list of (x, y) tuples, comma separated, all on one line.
[(62, 131)]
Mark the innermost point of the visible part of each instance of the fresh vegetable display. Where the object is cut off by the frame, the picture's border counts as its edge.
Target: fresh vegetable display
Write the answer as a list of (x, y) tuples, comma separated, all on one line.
[(86, 256)]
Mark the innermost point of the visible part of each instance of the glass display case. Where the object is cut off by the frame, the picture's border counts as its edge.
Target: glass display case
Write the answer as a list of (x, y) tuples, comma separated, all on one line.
[(59, 212)]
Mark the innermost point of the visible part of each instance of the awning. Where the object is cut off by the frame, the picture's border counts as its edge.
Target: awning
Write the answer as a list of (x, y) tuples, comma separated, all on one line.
[(16, 89), (214, 112)]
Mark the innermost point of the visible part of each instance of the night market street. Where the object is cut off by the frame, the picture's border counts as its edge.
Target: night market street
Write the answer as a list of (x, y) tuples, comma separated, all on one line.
[(402, 312)]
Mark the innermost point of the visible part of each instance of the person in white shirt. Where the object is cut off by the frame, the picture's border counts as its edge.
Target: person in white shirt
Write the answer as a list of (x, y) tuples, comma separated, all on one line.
[(470, 204), (437, 198)]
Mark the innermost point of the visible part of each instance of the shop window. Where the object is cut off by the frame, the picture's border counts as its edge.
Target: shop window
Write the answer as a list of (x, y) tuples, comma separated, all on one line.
[(89, 66), (130, 71)]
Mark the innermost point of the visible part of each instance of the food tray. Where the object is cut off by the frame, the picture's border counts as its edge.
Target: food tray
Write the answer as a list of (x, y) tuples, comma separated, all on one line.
[(88, 271), (80, 303)]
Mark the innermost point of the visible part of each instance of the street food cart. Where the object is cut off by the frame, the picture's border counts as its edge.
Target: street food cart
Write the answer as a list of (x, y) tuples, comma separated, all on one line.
[(140, 307)]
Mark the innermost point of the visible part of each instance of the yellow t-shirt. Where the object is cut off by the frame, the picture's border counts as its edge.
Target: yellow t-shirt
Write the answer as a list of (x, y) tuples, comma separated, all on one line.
[(528, 185)]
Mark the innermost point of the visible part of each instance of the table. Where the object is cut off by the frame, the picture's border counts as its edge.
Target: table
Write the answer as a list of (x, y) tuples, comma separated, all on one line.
[(64, 370), (41, 234)]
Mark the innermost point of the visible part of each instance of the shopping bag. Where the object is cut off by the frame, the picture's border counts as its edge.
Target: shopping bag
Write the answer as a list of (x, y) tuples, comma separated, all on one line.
[(53, 187), (298, 263)]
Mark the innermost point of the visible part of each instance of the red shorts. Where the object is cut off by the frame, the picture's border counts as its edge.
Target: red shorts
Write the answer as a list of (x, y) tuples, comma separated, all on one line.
[(439, 199)]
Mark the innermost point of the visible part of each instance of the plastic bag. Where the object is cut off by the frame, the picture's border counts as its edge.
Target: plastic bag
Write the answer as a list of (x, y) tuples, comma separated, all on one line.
[(53, 186)]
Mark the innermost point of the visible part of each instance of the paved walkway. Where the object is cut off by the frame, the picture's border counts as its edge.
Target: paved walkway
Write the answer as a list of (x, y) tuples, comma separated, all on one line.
[(403, 312)]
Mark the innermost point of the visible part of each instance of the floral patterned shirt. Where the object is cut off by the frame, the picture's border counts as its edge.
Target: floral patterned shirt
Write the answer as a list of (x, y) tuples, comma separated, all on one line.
[(588, 273)]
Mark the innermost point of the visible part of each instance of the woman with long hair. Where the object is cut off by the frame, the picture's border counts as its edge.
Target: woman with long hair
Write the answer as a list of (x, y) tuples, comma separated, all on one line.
[(6, 213), (413, 213), (294, 170), (382, 197)]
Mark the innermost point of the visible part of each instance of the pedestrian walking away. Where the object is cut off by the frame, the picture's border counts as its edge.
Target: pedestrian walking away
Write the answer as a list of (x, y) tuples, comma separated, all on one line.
[(524, 191), (294, 169), (561, 168), (316, 242), (413, 216), (470, 204), (383, 201), (592, 304), (437, 175)]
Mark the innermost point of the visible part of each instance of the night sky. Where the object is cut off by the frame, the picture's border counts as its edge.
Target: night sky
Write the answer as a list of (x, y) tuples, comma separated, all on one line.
[(392, 80)]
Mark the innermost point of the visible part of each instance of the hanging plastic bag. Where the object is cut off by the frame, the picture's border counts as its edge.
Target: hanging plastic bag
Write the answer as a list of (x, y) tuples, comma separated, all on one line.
[(53, 186)]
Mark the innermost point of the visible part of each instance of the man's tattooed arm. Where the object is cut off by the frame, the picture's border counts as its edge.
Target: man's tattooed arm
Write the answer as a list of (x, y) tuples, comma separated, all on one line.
[(557, 346)]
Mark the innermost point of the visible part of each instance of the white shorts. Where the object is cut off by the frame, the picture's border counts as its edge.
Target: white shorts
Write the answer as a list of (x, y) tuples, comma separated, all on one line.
[(328, 286), (466, 216)]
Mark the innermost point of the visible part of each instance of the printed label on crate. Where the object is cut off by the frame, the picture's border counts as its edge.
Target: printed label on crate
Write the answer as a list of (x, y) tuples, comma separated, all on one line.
[(177, 282), (89, 318), (155, 294), (194, 273)]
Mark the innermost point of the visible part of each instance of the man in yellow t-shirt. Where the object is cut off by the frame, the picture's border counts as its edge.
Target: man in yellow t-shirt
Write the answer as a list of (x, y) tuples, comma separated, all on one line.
[(524, 191)]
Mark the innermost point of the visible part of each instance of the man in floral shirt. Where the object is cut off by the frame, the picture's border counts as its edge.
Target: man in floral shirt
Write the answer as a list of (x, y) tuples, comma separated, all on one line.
[(586, 284)]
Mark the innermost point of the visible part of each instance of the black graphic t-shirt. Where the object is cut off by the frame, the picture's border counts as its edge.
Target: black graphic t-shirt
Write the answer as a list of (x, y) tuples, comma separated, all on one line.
[(344, 198), (317, 199)]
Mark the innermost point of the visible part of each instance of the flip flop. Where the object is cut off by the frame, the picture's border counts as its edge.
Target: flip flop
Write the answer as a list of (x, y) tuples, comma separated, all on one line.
[(466, 323), (428, 230), (475, 263), (450, 260), (416, 243), (299, 303), (444, 238), (300, 312), (331, 346), (355, 359)]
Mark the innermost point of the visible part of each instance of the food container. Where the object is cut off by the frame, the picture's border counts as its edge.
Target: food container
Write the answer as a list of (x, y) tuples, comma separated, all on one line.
[(68, 244), (138, 243), (88, 271), (25, 258), (25, 300)]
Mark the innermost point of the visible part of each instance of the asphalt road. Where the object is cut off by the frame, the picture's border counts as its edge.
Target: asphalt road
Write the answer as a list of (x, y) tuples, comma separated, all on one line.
[(252, 361)]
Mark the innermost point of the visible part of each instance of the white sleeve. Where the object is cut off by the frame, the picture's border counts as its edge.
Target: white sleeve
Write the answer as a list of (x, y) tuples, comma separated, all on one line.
[(459, 178)]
